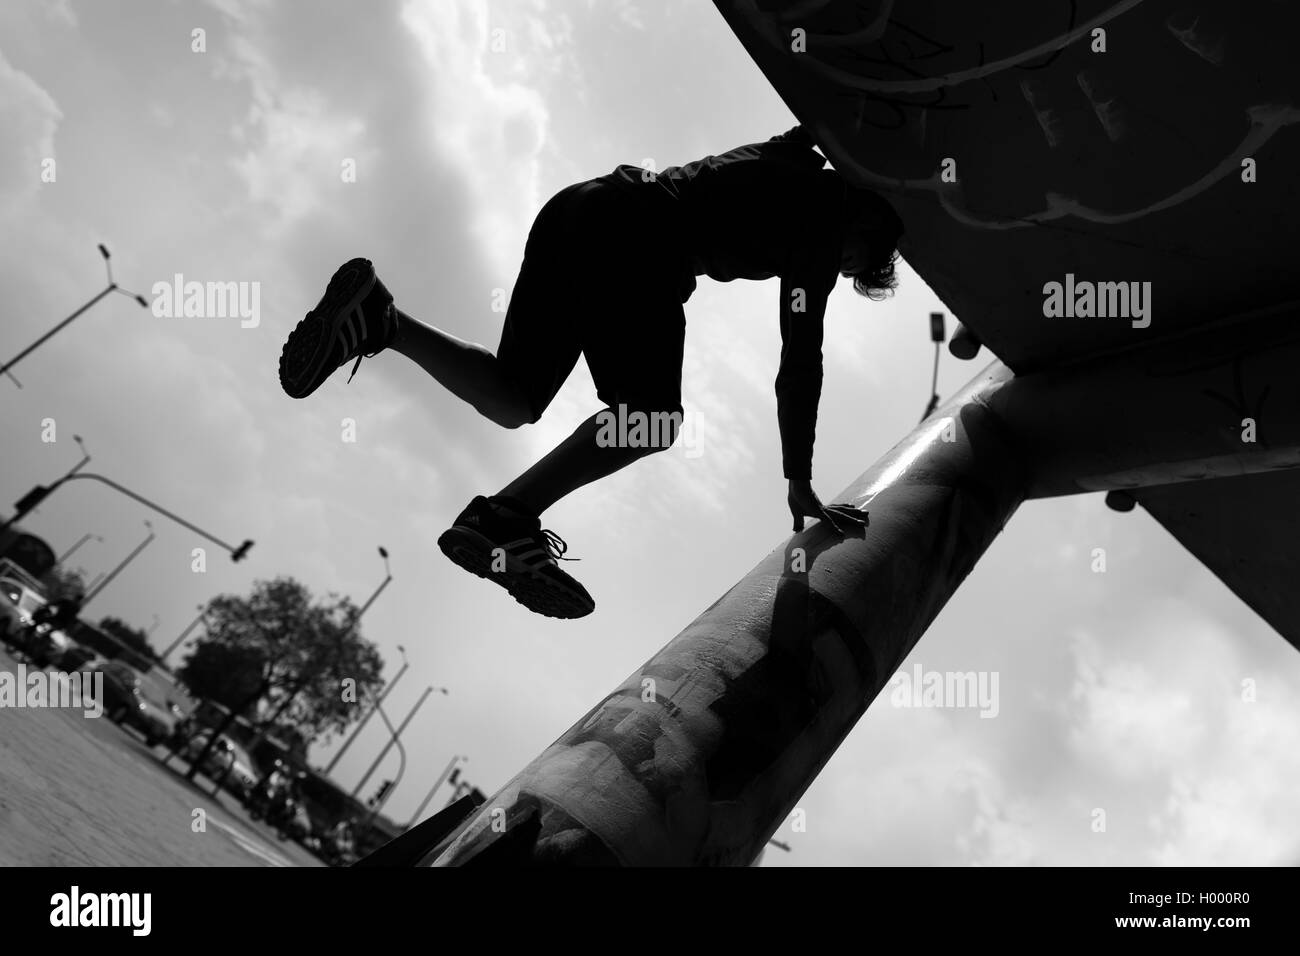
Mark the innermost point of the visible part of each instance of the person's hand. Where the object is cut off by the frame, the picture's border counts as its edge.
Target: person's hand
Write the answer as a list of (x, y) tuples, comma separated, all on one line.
[(804, 503)]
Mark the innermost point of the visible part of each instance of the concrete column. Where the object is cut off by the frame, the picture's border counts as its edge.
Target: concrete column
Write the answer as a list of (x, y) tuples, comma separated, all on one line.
[(699, 756)]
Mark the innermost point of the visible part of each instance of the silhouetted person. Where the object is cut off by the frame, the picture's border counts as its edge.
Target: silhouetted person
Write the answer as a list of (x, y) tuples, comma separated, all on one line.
[(607, 266), (60, 615)]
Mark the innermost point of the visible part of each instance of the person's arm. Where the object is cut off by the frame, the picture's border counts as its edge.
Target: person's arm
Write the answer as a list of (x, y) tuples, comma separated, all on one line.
[(805, 285), (799, 378), (808, 223)]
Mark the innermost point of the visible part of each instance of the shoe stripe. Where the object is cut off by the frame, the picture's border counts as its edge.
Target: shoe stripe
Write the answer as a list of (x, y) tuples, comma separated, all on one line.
[(352, 330), (530, 554), (521, 543)]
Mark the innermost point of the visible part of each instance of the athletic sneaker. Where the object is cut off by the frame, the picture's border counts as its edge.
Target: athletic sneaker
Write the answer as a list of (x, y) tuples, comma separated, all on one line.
[(354, 318), (512, 549)]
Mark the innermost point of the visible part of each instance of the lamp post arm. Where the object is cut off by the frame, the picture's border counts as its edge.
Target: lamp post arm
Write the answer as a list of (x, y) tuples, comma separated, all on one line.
[(52, 332), (148, 504)]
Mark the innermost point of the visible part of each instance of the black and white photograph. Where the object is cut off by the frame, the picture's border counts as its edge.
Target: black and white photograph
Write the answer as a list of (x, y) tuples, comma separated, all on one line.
[(782, 434)]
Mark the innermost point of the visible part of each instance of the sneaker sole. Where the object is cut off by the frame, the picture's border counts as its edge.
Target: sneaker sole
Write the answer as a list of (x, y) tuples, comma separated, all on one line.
[(541, 595), (306, 353)]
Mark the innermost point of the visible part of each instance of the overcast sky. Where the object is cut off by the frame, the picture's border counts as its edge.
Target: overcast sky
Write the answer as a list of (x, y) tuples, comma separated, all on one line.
[(1118, 690)]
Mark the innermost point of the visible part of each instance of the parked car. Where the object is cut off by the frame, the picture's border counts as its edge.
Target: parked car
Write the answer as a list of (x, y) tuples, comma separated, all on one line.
[(76, 657), (125, 703), (225, 755), (17, 605)]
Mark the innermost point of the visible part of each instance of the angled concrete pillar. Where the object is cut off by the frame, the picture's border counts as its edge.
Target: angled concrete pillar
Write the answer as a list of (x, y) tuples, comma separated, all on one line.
[(700, 755)]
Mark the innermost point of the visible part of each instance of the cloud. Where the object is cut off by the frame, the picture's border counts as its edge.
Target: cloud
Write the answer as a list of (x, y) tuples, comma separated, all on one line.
[(295, 140), (1128, 720), (489, 124), (1200, 775), (299, 146), (60, 11), (30, 117)]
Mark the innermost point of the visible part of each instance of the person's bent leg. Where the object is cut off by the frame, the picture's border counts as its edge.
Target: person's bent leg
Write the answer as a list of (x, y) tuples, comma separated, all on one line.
[(501, 538), (468, 371), (589, 454), (537, 350)]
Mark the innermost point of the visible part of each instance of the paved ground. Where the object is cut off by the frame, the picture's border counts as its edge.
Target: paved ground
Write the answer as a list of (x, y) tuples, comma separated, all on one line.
[(84, 792)]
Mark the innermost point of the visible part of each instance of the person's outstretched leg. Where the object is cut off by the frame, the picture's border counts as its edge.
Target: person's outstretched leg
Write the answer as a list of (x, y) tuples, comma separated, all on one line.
[(537, 350), (356, 317), (468, 371)]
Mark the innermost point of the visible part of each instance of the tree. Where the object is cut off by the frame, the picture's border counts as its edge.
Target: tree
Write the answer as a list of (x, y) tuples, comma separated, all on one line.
[(277, 656), (229, 675), (64, 586)]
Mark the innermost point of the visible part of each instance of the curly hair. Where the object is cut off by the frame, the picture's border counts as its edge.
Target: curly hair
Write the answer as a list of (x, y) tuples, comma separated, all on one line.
[(879, 282), (872, 217)]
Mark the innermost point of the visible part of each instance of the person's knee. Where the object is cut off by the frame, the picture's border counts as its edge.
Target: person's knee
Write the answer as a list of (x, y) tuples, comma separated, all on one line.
[(509, 406), (511, 416), (649, 427), (515, 419), (510, 422)]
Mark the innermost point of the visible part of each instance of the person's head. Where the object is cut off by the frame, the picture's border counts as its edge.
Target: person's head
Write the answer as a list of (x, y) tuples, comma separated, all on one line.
[(871, 234)]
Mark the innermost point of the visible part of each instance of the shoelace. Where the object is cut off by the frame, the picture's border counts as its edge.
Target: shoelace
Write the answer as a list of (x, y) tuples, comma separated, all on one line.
[(364, 355), (555, 546), (389, 327)]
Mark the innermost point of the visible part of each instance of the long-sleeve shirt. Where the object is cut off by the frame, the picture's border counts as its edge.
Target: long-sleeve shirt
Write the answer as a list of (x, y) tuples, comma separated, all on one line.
[(756, 212)]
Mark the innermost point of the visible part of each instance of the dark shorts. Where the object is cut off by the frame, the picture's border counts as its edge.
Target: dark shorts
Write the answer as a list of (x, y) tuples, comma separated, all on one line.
[(602, 277)]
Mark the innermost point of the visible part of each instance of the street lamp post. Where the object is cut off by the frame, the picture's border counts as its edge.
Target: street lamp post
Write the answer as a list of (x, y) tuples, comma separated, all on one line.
[(203, 611), (361, 723), (111, 287), (415, 818), (236, 553), (40, 493), (67, 554), (118, 570), (388, 576), (383, 753), (397, 778)]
